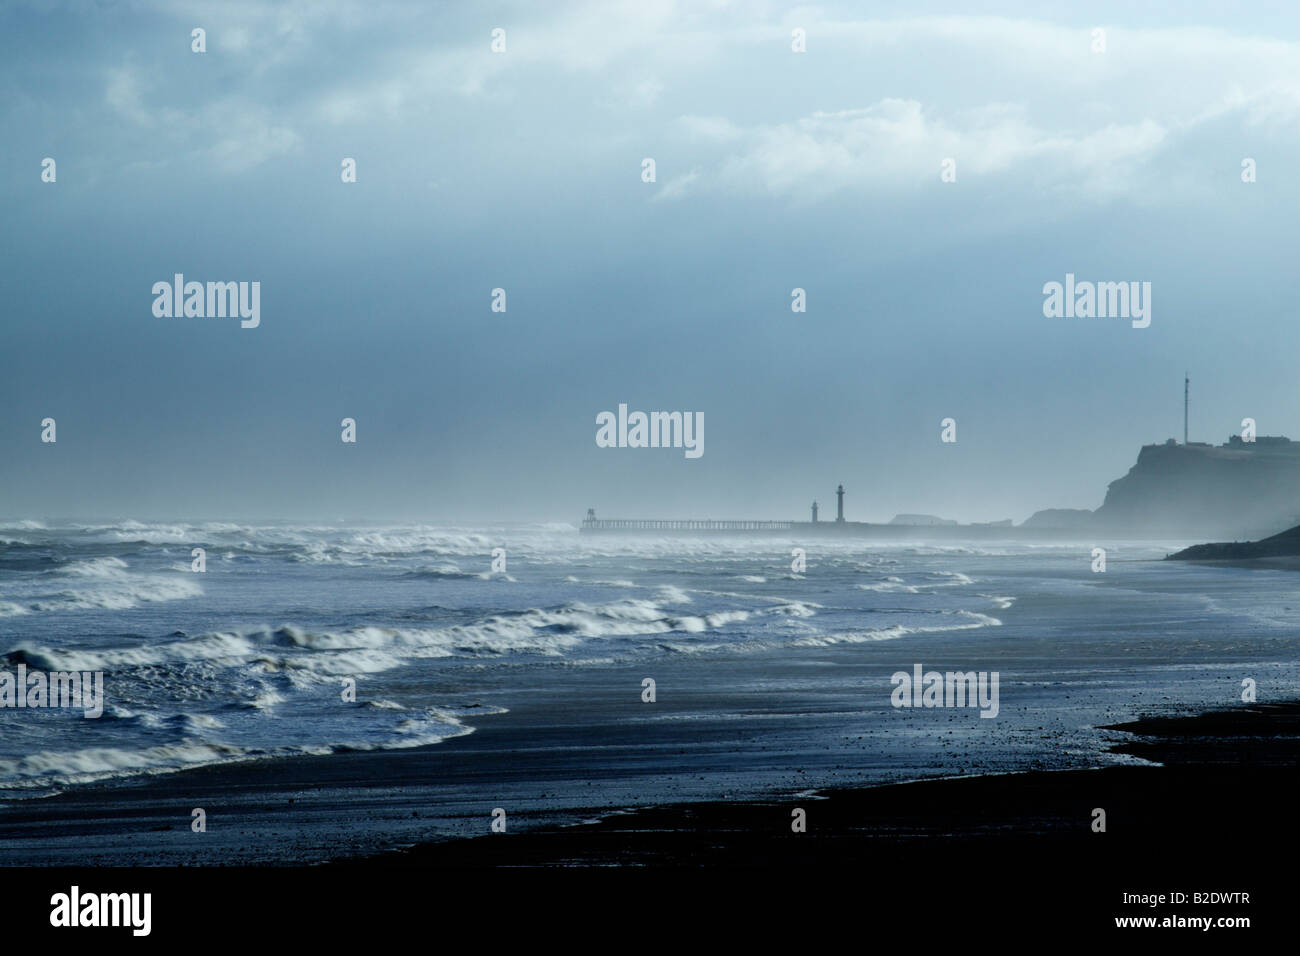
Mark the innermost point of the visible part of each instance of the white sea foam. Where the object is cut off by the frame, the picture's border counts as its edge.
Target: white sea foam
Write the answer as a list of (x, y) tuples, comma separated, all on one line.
[(98, 763), (429, 614), (104, 583), (46, 769), (232, 647), (374, 649), (949, 578), (895, 631), (888, 586), (671, 594)]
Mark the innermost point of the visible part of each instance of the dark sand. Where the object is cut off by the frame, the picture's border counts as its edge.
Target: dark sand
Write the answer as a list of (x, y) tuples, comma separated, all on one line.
[(1227, 784), (1007, 860), (574, 744)]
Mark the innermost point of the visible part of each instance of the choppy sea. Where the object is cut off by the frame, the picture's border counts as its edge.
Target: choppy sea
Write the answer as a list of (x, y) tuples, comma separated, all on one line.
[(251, 658)]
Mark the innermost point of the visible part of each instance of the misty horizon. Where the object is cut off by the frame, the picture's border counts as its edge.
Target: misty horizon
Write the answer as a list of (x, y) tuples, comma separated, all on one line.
[(879, 513)]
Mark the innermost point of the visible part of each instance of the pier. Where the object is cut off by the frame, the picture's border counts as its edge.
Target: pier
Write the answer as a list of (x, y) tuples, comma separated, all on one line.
[(703, 524)]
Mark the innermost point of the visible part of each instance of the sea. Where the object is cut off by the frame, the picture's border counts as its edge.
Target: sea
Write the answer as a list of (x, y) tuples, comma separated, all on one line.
[(674, 667)]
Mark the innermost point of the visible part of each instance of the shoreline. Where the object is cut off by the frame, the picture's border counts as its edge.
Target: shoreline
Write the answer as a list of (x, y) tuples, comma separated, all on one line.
[(577, 745), (1261, 563), (1221, 780)]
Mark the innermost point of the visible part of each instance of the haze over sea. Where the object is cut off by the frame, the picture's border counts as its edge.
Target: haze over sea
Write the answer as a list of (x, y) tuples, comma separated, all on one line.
[(767, 680)]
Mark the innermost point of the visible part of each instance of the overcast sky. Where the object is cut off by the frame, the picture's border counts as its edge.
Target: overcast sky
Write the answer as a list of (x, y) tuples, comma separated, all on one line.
[(523, 170)]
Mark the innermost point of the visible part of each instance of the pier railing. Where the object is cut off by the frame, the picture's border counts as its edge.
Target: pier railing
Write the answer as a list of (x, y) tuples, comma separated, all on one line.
[(636, 524)]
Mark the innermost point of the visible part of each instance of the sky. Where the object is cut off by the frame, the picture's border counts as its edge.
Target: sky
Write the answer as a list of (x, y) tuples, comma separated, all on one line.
[(523, 170)]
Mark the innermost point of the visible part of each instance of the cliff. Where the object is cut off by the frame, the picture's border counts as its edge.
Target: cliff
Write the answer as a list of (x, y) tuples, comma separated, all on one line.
[(1239, 489)]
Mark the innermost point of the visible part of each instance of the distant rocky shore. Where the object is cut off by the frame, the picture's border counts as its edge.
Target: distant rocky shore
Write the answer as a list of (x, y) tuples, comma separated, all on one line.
[(1284, 545)]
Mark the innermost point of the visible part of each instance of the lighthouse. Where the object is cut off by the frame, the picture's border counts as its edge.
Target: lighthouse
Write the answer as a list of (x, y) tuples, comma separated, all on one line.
[(839, 493), (814, 512)]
